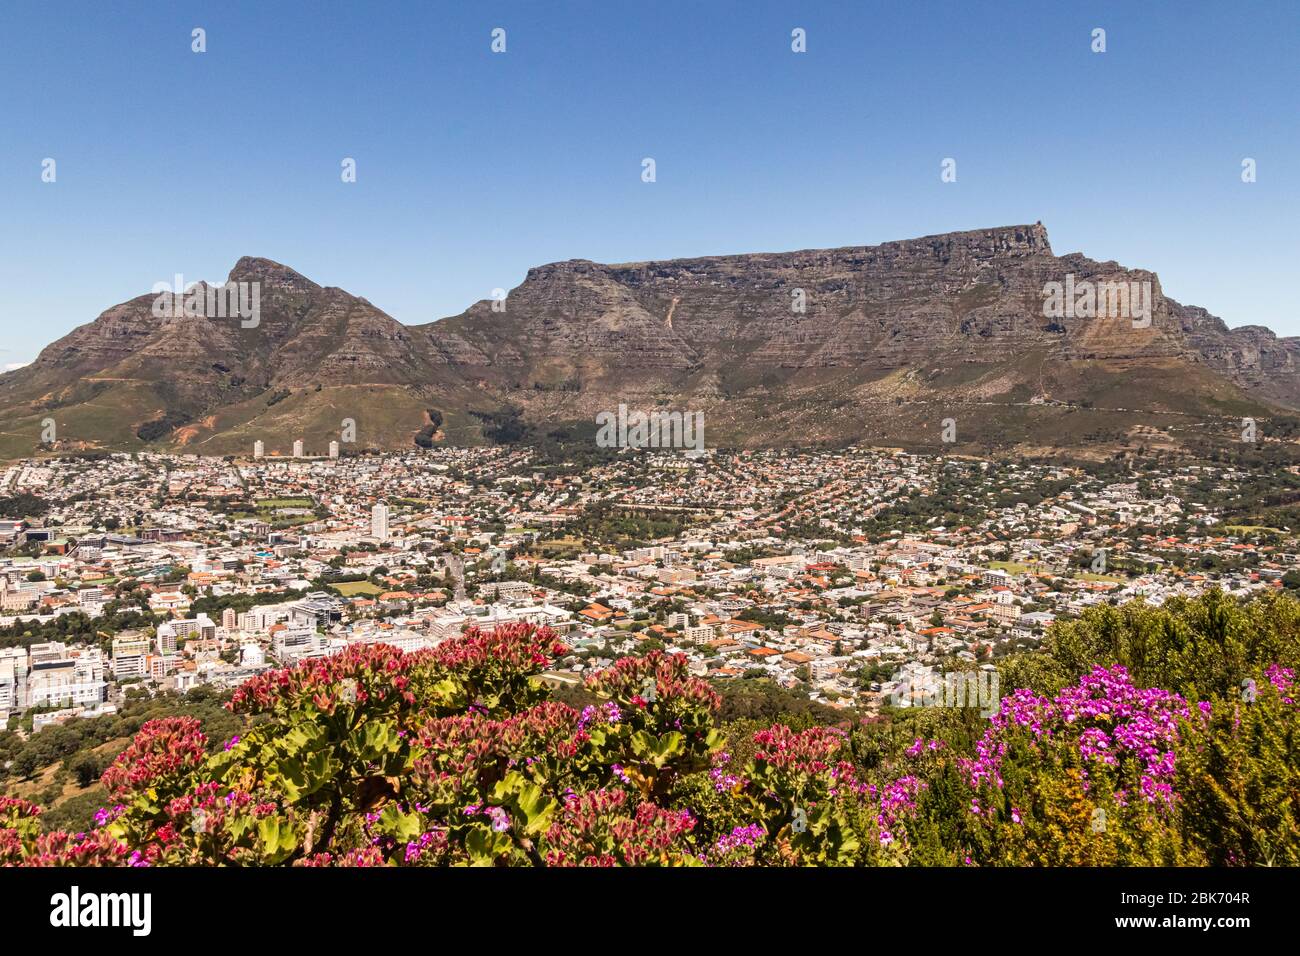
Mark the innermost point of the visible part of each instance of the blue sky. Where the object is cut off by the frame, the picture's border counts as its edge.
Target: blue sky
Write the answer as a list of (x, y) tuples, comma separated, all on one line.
[(474, 166)]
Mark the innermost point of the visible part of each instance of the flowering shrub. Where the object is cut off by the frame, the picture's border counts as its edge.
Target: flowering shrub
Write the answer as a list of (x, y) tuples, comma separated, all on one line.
[(664, 722), (158, 761), (1106, 773), (813, 805), (23, 843), (374, 757), (459, 756), (1085, 777), (1238, 779), (610, 828)]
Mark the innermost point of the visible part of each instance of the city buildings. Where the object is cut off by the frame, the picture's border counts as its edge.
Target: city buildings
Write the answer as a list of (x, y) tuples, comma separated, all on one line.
[(834, 573)]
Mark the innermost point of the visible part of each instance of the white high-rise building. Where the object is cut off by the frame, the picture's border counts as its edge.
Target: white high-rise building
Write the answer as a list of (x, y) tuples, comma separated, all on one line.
[(379, 521), (297, 448), (130, 651), (259, 449), (334, 449)]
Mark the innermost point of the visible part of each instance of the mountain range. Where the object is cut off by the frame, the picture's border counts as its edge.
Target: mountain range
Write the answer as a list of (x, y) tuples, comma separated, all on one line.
[(877, 345)]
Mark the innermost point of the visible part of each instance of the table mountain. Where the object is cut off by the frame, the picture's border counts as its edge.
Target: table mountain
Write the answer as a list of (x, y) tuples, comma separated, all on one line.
[(874, 344)]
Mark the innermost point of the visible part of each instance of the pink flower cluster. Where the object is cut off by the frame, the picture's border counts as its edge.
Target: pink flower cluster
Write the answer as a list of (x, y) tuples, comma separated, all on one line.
[(630, 680), (1106, 715), (921, 745), (602, 828), (812, 750), (466, 745), (1283, 679), (13, 809), (897, 801), (430, 843), (723, 780), (351, 678), (164, 751), (736, 848), (520, 647), (97, 848), (608, 711)]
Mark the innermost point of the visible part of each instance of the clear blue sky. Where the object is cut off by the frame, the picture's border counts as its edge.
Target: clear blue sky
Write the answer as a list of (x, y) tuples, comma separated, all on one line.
[(473, 166)]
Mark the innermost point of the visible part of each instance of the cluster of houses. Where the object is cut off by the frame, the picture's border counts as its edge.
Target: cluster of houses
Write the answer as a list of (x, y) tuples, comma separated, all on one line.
[(774, 564)]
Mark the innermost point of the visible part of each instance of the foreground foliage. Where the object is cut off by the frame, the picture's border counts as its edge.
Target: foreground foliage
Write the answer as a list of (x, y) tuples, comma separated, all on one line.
[(461, 756)]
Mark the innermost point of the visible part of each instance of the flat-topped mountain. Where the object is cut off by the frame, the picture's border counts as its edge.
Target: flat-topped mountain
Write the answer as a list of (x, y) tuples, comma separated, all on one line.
[(874, 344)]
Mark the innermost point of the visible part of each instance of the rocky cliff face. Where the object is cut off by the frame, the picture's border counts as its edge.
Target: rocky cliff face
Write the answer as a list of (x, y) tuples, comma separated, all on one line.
[(956, 320), (968, 295), (1250, 355)]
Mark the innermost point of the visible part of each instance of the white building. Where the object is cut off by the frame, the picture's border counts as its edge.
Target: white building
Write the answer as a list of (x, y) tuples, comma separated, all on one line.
[(166, 639), (406, 641), (379, 521), (68, 681), (13, 679), (260, 618), (445, 624), (129, 652), (297, 449), (202, 627), (506, 590), (90, 596), (292, 642)]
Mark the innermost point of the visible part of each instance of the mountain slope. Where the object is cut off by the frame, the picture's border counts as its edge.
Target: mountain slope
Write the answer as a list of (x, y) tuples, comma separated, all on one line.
[(876, 344)]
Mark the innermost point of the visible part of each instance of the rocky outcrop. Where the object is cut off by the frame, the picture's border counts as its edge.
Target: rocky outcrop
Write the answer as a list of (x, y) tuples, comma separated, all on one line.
[(958, 317), (962, 295)]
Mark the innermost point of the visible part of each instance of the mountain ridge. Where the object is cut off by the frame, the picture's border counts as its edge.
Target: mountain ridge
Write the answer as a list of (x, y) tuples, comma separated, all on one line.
[(798, 347)]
